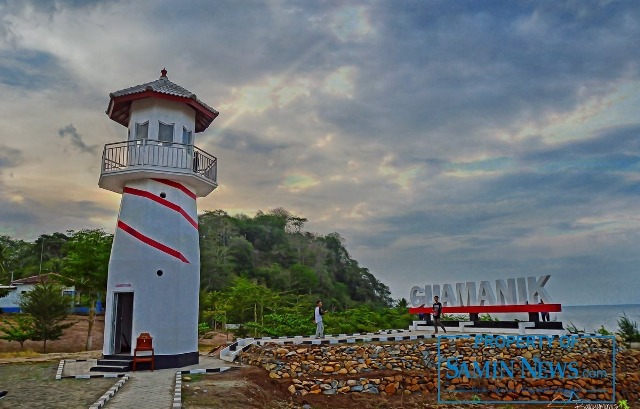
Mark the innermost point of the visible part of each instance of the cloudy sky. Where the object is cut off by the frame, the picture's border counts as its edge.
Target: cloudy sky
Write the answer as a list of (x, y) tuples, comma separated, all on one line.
[(446, 141)]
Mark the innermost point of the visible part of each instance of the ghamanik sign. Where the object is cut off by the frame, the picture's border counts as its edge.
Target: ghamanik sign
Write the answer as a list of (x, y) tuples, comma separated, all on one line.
[(521, 290)]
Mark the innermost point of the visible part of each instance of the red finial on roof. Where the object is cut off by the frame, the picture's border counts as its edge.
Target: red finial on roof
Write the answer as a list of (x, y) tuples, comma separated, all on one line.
[(164, 73)]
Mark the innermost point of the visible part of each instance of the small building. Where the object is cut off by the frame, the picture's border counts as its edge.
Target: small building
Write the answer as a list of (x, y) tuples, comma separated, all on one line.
[(11, 301)]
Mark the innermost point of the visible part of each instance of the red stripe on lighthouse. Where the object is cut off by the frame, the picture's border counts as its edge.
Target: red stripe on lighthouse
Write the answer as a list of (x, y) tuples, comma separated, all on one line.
[(151, 242), (164, 202), (177, 186)]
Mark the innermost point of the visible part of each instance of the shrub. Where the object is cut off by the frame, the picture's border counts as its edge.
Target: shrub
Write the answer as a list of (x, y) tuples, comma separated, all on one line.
[(573, 329), (20, 329), (628, 329), (283, 324), (203, 328), (487, 317), (456, 317)]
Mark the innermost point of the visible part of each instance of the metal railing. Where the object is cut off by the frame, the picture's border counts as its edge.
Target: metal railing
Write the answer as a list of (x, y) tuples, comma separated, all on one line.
[(131, 155)]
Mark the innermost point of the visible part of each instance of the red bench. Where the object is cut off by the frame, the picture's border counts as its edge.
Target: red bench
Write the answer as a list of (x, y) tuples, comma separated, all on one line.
[(475, 310)]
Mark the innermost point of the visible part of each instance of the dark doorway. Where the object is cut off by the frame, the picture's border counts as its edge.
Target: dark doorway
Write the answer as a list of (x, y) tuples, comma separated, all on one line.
[(123, 322)]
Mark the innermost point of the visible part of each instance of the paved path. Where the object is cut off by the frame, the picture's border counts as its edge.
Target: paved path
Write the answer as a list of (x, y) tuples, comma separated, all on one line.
[(154, 389), (146, 389)]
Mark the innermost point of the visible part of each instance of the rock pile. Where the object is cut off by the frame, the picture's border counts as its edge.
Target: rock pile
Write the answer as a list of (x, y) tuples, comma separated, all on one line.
[(412, 367)]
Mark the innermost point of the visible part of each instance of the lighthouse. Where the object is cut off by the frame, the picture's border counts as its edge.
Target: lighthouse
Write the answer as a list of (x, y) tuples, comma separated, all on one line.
[(154, 269)]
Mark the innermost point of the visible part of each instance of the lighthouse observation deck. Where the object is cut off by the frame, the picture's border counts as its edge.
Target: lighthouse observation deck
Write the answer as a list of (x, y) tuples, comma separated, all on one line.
[(149, 158)]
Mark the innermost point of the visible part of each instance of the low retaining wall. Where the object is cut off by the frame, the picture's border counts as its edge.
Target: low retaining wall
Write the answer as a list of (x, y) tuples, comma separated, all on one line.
[(412, 367)]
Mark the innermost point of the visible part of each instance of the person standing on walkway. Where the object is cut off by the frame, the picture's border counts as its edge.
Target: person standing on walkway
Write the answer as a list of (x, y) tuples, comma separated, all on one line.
[(437, 313), (317, 318)]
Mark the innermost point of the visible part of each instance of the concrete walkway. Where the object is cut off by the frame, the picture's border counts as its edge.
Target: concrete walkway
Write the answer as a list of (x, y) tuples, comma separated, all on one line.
[(146, 389), (141, 389), (154, 389)]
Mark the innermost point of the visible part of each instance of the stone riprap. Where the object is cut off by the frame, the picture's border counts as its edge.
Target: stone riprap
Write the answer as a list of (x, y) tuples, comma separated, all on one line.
[(412, 367)]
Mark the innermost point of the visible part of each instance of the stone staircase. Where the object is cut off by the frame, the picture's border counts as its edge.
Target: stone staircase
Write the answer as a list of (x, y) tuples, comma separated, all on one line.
[(231, 352), (114, 363)]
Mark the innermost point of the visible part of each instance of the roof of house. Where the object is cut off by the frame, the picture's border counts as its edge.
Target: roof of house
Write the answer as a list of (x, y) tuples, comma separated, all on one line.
[(42, 278), (120, 103)]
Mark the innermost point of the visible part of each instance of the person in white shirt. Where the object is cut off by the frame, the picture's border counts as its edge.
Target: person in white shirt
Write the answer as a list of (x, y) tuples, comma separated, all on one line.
[(317, 318)]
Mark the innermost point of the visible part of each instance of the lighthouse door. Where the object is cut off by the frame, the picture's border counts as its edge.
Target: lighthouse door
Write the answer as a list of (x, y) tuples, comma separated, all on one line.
[(122, 322)]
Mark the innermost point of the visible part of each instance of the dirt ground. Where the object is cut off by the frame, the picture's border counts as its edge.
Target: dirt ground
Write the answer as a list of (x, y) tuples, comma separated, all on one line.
[(73, 340), (211, 341)]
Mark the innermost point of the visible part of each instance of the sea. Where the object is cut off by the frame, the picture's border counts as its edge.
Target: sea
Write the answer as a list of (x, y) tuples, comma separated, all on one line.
[(590, 318)]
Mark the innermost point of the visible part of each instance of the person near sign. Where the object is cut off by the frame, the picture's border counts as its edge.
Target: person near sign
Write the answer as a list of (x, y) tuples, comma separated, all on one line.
[(544, 314), (317, 318), (437, 313)]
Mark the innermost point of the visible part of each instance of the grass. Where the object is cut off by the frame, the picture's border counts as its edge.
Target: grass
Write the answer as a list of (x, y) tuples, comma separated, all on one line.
[(19, 354), (195, 377)]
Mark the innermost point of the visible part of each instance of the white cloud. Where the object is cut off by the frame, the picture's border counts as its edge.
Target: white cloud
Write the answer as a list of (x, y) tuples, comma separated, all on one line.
[(441, 142), (340, 83), (350, 23)]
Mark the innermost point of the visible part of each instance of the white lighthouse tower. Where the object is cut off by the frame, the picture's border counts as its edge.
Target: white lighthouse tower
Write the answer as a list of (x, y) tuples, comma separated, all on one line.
[(154, 270)]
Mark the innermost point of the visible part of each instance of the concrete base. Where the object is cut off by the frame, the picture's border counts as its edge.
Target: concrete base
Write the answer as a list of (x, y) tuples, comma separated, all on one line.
[(177, 361), (165, 361), (494, 327)]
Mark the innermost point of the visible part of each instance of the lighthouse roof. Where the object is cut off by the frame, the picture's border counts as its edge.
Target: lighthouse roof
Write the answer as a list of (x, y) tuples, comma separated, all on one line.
[(120, 103)]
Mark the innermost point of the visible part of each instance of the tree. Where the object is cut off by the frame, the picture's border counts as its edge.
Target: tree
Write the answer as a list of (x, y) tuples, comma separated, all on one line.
[(49, 308), (246, 298), (302, 279), (47, 251), (22, 259), (20, 329), (86, 266), (402, 304), (5, 254), (216, 263), (12, 258)]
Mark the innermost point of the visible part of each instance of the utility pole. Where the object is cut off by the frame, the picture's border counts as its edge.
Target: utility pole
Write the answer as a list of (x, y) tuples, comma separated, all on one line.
[(41, 252)]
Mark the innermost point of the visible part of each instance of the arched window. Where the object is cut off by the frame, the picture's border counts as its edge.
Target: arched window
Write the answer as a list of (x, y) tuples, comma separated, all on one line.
[(187, 136), (165, 132), (142, 130)]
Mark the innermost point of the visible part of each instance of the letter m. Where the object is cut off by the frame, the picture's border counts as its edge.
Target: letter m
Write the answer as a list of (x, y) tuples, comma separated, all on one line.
[(466, 293), (481, 371)]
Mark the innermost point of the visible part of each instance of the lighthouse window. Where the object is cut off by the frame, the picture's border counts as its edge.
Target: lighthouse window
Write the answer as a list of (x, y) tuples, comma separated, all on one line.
[(142, 130), (165, 132), (186, 136)]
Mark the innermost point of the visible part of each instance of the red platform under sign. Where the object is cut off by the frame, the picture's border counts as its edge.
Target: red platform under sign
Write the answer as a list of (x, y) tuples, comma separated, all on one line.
[(485, 309)]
